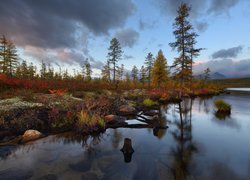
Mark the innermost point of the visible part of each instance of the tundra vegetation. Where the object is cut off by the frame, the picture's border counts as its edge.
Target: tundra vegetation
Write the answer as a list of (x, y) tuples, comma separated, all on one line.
[(49, 100)]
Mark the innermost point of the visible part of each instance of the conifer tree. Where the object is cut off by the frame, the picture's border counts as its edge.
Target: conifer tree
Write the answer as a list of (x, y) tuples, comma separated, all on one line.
[(143, 75), (11, 59), (134, 74), (86, 70), (159, 70), (43, 70), (114, 55), (149, 61), (106, 72), (3, 54), (184, 44)]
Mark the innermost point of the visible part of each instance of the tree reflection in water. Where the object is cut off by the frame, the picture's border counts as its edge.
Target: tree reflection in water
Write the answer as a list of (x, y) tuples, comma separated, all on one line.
[(184, 149)]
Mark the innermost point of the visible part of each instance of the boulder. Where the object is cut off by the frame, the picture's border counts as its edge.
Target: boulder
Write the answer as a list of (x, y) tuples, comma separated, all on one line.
[(31, 135), (111, 119), (127, 110), (151, 113)]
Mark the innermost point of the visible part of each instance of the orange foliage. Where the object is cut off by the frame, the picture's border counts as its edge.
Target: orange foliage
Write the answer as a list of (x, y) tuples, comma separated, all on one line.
[(58, 92)]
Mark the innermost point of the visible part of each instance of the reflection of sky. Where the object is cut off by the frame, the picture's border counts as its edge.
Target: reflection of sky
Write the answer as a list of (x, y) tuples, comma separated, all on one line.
[(222, 148)]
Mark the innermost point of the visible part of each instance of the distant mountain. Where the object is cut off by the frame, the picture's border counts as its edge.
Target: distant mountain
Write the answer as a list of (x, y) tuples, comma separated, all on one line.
[(217, 75)]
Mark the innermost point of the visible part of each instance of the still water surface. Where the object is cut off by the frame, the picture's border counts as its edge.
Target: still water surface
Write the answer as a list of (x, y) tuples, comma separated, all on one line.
[(197, 145), (239, 89)]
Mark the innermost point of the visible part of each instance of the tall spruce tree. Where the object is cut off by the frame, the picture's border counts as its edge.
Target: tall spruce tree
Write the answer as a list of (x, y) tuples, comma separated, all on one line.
[(114, 55), (134, 74), (11, 61), (184, 44), (149, 61), (106, 72), (159, 70), (143, 75), (3, 54), (86, 70)]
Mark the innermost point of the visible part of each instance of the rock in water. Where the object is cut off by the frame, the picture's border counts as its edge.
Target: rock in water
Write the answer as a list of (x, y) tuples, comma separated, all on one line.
[(31, 135)]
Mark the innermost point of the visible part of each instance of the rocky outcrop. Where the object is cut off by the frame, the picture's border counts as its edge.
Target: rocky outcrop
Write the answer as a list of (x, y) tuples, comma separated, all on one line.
[(127, 110), (112, 119), (31, 135)]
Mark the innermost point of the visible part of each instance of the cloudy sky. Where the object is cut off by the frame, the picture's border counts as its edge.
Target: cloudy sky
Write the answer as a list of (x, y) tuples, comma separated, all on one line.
[(65, 32)]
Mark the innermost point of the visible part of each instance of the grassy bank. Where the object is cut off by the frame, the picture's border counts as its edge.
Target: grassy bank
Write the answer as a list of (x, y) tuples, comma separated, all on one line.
[(233, 82)]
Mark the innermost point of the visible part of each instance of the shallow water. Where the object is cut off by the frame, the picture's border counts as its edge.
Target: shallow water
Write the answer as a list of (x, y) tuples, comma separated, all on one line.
[(197, 144)]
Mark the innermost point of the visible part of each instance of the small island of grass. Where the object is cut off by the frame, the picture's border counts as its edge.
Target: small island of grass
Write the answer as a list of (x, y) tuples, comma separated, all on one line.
[(222, 106)]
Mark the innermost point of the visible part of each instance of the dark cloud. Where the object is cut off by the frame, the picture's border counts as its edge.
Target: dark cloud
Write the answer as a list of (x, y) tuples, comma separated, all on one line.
[(128, 57), (53, 23), (200, 9), (97, 64), (227, 53), (218, 7), (146, 25), (170, 7), (127, 37), (201, 26), (226, 67)]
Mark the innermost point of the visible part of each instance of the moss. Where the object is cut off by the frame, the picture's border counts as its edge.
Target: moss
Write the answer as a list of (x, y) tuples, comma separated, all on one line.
[(149, 103)]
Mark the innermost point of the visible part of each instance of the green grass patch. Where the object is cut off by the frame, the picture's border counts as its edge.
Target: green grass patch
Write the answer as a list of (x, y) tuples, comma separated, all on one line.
[(221, 105), (149, 103), (85, 119)]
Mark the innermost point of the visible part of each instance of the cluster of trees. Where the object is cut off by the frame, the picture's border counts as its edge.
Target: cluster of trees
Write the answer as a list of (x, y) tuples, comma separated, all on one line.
[(153, 73), (8, 56)]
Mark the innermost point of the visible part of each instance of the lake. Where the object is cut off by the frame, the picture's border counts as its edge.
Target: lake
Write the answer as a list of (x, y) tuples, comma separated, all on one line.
[(197, 145), (238, 89)]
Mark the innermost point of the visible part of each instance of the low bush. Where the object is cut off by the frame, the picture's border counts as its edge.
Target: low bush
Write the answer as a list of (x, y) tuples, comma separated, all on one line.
[(88, 122), (222, 106)]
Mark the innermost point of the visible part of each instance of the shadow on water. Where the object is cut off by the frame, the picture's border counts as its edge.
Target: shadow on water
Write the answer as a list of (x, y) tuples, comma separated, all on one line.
[(183, 151)]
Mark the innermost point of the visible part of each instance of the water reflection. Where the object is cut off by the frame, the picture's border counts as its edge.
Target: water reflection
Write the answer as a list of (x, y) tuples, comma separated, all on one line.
[(127, 150), (204, 102), (196, 145), (183, 151), (222, 116)]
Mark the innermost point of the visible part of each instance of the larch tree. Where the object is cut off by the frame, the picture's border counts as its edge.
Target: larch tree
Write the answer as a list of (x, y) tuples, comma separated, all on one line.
[(43, 71), (32, 71), (184, 44), (86, 70), (11, 61), (121, 72), (3, 54), (206, 74), (106, 72), (114, 55), (149, 61), (159, 70), (134, 74), (143, 75)]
